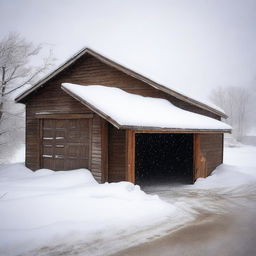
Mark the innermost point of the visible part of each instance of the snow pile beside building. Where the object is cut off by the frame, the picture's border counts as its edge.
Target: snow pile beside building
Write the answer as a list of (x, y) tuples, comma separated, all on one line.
[(127, 109), (44, 208), (239, 169)]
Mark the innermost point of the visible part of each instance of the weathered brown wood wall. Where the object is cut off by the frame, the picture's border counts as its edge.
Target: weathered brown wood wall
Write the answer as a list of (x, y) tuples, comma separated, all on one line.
[(53, 100), (116, 154), (96, 155), (212, 150)]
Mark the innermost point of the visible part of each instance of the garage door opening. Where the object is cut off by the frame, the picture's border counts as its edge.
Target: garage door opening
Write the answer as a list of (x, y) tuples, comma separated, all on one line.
[(162, 158)]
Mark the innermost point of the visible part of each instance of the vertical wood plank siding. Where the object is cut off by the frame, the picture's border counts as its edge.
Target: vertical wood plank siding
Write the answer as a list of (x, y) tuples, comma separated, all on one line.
[(212, 149), (32, 140), (116, 154), (96, 160), (104, 150)]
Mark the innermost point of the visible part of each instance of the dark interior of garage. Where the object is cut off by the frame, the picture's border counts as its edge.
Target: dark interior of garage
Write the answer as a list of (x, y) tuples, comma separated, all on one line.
[(162, 158)]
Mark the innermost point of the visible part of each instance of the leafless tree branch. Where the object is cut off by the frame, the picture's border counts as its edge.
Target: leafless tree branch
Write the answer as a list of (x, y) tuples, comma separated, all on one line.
[(16, 71), (235, 101)]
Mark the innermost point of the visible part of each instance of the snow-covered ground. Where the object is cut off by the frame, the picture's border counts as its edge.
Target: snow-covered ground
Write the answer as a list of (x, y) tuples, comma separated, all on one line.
[(49, 208), (224, 207), (69, 213)]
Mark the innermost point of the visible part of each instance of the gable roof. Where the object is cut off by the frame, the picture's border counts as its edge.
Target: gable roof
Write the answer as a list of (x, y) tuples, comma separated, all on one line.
[(131, 111), (21, 98)]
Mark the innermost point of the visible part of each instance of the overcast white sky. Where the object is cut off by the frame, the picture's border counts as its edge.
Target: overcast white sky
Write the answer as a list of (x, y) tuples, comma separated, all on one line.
[(190, 45)]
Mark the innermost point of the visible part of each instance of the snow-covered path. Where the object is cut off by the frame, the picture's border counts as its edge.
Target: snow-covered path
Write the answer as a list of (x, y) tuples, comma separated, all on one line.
[(224, 207), (231, 234)]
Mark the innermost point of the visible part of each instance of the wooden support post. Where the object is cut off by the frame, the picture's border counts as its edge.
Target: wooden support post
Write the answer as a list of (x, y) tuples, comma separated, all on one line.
[(130, 156), (200, 162), (104, 151), (196, 156)]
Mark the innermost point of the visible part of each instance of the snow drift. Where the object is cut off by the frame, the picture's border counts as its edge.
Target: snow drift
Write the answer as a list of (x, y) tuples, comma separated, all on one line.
[(46, 207), (51, 213)]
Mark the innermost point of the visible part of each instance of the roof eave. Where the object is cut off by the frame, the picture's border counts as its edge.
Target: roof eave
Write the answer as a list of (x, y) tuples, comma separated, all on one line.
[(148, 129), (92, 108), (42, 81), (141, 128)]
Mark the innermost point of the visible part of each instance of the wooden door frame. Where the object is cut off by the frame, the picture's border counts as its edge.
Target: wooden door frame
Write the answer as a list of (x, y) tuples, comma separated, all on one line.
[(196, 154), (130, 156), (130, 153), (200, 161)]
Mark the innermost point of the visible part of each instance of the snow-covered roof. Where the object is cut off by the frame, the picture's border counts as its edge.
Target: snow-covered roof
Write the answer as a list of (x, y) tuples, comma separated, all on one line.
[(127, 110), (167, 89)]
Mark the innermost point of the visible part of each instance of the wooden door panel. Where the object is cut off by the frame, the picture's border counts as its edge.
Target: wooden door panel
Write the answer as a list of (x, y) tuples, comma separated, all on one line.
[(59, 163), (48, 150), (60, 123), (48, 123), (66, 143), (59, 150), (47, 162), (48, 134), (60, 134)]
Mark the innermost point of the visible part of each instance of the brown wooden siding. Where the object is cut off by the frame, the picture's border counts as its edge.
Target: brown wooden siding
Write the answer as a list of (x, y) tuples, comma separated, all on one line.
[(116, 154), (104, 150), (96, 160), (53, 100), (32, 140), (90, 71), (212, 150)]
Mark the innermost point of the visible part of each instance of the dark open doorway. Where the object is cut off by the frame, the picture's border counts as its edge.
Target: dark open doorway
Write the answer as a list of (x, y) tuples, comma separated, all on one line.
[(163, 158)]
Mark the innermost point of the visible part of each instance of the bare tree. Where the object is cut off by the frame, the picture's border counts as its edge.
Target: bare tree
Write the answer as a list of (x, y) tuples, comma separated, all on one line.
[(16, 72), (236, 102)]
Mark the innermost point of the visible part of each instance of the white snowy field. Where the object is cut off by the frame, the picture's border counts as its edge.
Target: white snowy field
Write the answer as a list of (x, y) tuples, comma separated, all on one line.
[(69, 213)]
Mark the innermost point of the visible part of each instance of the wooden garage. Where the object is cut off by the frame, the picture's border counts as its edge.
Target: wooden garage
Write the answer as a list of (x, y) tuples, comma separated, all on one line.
[(94, 113)]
